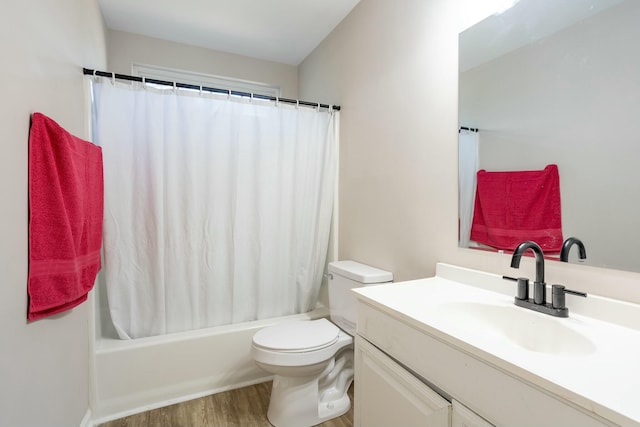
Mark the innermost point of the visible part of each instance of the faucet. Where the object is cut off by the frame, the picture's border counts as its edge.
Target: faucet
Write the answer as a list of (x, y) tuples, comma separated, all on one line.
[(566, 247), (538, 284), (557, 306)]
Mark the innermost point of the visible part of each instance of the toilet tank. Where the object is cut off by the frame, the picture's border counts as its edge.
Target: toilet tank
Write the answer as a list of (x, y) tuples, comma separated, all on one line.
[(343, 276)]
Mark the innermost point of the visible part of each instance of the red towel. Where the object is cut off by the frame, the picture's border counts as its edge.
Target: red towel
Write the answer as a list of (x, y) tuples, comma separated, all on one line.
[(65, 224), (512, 207)]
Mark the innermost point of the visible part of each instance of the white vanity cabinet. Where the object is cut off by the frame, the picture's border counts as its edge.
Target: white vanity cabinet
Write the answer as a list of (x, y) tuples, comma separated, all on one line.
[(461, 416), (387, 394)]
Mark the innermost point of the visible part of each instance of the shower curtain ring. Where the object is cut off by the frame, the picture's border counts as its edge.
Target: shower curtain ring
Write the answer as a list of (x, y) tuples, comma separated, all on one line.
[(113, 78)]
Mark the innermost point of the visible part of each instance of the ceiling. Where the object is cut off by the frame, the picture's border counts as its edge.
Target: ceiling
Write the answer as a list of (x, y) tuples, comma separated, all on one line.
[(284, 31), (523, 23)]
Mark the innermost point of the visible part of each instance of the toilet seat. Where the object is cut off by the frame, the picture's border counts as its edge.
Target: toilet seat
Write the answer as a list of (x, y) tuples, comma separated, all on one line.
[(297, 336), (298, 343)]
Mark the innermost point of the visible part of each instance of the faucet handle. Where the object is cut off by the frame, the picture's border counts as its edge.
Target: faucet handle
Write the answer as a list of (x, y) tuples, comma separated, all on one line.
[(523, 286), (557, 295)]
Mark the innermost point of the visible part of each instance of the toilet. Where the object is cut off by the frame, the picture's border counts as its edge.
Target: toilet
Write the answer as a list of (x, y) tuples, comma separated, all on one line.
[(312, 360)]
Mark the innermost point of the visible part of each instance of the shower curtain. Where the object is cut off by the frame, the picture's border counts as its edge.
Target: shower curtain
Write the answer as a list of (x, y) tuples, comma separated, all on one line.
[(467, 169), (217, 209)]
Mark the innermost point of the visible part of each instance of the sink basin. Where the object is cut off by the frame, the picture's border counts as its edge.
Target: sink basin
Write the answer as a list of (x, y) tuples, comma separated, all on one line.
[(524, 328)]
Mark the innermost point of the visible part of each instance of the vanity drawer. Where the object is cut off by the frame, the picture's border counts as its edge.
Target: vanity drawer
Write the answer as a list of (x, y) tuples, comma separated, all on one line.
[(461, 416), (386, 394)]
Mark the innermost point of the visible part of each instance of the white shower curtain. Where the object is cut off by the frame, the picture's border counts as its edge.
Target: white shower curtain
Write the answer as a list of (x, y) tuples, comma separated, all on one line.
[(217, 209), (467, 169)]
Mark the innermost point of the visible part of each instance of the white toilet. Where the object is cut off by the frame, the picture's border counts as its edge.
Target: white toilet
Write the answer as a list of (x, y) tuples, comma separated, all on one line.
[(312, 360)]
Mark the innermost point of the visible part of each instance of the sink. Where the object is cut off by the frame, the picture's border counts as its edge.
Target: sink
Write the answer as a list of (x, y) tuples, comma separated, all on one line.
[(524, 328)]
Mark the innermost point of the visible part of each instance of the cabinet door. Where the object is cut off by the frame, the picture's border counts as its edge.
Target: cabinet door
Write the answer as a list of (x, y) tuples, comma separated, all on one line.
[(386, 394), (465, 417)]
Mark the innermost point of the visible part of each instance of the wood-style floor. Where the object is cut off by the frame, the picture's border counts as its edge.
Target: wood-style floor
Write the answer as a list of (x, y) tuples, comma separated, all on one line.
[(245, 407)]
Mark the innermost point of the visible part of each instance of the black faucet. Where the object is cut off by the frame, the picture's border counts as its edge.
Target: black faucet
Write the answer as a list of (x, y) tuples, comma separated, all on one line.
[(557, 306), (538, 284), (566, 247)]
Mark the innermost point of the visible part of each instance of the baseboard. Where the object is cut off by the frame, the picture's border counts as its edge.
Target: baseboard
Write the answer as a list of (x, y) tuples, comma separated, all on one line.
[(86, 420)]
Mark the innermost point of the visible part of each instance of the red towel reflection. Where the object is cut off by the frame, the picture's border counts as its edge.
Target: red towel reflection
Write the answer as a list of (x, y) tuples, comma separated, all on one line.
[(512, 207)]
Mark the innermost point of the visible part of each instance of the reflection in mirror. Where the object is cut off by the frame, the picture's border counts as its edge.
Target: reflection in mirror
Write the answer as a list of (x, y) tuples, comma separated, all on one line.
[(550, 82)]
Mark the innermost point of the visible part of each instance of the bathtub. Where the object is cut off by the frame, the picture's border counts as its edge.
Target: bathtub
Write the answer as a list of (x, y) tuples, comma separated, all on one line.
[(131, 376)]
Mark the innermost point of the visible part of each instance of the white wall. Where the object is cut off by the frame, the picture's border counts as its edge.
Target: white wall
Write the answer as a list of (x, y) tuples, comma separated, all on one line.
[(387, 65), (44, 365), (393, 68), (125, 49), (570, 100)]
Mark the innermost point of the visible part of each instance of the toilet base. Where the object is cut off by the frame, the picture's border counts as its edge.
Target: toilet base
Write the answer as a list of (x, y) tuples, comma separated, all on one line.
[(307, 401)]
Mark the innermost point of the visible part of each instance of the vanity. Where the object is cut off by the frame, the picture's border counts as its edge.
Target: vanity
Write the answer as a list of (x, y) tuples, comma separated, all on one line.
[(455, 350)]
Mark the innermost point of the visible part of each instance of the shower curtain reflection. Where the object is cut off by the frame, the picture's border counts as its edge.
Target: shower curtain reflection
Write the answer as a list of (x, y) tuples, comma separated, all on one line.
[(467, 168), (217, 209)]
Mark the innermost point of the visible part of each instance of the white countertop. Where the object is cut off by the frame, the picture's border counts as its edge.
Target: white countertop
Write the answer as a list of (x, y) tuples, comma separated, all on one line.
[(594, 361)]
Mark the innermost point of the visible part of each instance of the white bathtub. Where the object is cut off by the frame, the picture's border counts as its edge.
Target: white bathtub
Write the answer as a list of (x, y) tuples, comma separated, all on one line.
[(137, 375)]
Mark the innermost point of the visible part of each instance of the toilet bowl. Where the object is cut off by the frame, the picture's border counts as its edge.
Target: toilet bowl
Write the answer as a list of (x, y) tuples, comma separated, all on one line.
[(311, 378), (312, 361)]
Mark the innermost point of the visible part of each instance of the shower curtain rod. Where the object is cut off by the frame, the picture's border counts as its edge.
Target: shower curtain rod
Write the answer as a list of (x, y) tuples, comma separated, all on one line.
[(89, 72), (469, 129)]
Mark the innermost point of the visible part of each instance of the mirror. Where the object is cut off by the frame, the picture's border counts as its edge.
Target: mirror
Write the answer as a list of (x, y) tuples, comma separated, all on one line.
[(548, 82)]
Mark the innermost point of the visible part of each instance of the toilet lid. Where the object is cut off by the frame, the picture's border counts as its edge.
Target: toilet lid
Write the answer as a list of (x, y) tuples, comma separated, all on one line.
[(300, 335)]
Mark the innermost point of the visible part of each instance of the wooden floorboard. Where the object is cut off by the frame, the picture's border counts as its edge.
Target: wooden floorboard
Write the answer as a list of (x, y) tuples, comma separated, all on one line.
[(244, 407)]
